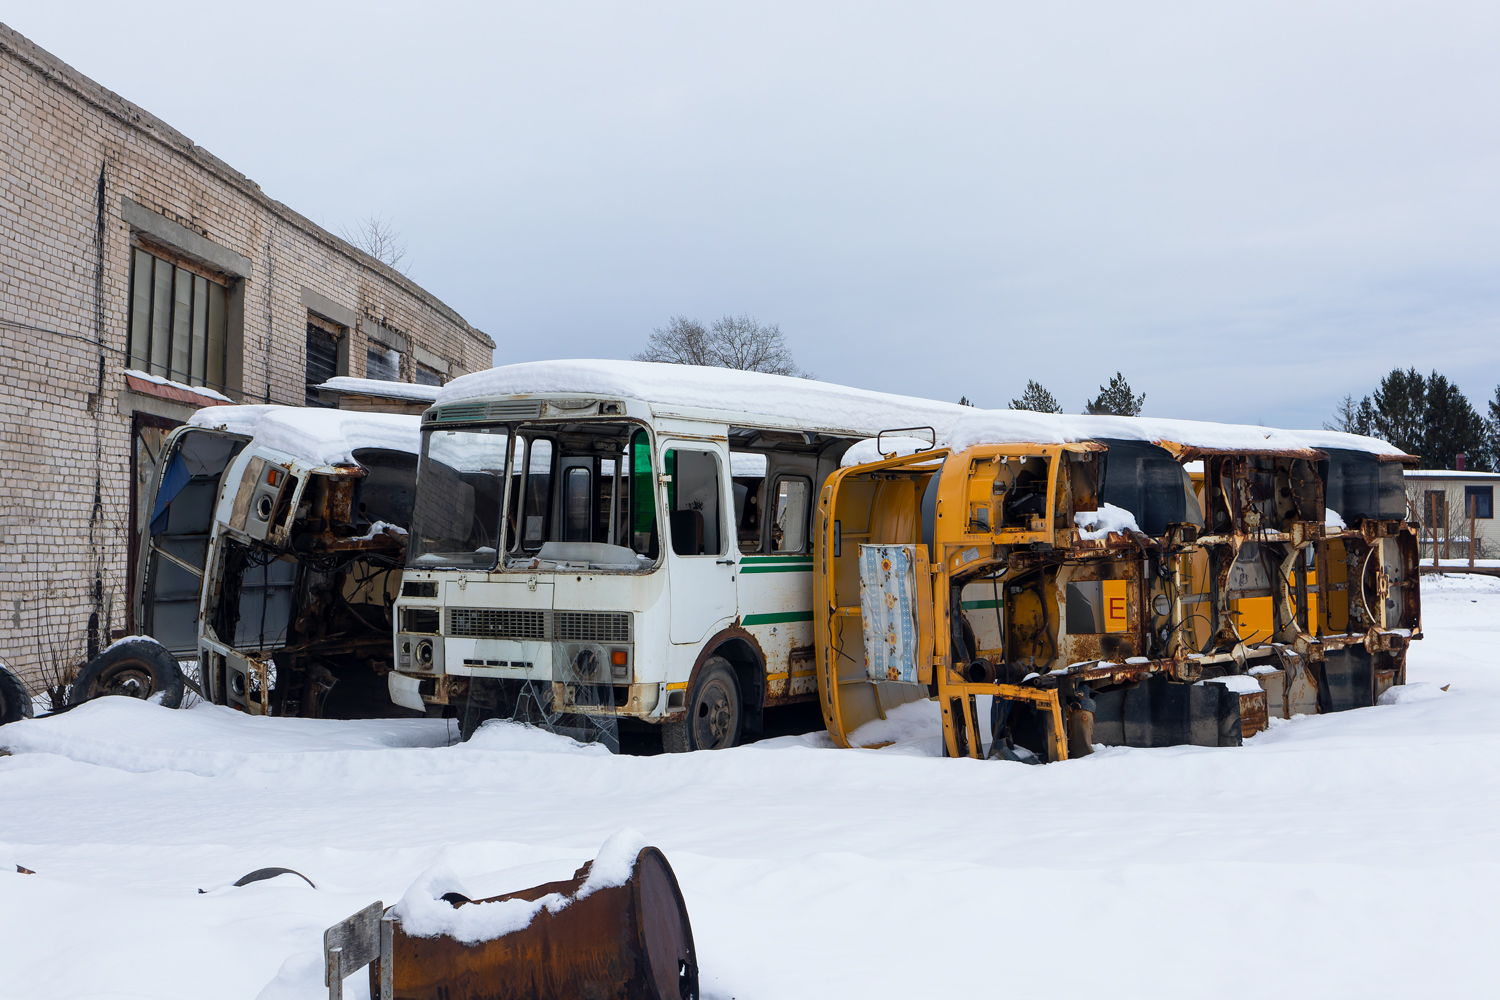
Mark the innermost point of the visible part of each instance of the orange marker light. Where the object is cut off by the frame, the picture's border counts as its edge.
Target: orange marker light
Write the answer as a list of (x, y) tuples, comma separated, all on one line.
[(617, 658), (273, 476)]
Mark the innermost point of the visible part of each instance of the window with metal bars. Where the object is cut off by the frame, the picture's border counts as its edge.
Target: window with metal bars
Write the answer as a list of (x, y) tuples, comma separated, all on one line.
[(178, 325), (322, 358), (382, 363)]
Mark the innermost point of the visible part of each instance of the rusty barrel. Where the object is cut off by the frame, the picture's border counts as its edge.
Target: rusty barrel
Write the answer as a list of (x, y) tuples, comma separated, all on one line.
[(628, 941)]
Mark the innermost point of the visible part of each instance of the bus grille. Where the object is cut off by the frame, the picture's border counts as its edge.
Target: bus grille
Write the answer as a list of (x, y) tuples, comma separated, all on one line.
[(497, 623), (591, 626), (539, 626)]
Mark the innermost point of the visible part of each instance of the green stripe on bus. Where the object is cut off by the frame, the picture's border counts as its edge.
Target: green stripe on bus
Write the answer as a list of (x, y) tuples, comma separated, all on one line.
[(762, 568), (776, 560), (976, 605), (778, 618)]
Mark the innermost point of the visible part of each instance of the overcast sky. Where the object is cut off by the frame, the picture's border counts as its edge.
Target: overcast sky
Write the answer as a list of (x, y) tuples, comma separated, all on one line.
[(1250, 209)]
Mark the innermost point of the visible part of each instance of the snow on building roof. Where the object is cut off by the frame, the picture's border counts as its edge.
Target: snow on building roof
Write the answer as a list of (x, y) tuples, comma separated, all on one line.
[(762, 399), (380, 387), (314, 434), (1449, 474)]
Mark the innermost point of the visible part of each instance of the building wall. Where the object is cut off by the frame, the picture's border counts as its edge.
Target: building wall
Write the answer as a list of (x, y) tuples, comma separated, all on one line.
[(86, 176), (1455, 532)]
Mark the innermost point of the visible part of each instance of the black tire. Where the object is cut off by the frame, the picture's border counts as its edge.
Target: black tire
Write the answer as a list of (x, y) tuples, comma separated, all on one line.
[(15, 700), (134, 669), (715, 715)]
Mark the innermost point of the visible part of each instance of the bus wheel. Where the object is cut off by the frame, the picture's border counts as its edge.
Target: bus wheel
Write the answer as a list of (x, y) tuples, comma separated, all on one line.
[(138, 669), (15, 700), (715, 712)]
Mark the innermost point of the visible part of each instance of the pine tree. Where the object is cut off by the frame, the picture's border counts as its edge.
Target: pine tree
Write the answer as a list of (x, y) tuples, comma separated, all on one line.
[(1351, 417), (1400, 409), (1036, 398), (1427, 416), (1117, 398), (1452, 425), (1495, 429), (964, 401)]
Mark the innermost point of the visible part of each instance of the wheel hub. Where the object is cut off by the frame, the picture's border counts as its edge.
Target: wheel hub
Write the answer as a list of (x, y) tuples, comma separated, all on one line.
[(129, 680), (714, 717)]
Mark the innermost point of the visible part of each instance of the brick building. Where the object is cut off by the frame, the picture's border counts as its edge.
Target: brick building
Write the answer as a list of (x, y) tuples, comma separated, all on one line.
[(142, 277)]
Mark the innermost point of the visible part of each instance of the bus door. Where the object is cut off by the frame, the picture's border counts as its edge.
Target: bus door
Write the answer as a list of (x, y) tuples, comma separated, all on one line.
[(700, 557), (872, 591), (175, 536)]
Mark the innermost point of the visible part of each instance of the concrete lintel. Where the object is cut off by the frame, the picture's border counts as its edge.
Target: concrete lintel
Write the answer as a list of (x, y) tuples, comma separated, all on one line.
[(433, 361), (316, 302), (384, 335), (184, 240)]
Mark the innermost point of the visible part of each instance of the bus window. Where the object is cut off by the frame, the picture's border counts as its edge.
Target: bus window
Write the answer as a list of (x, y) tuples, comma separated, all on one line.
[(693, 503), (606, 505), (748, 471), (538, 493), (789, 532), (642, 496), (576, 488)]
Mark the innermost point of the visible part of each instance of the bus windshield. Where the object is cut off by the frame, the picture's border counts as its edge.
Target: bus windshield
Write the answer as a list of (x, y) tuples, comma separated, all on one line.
[(581, 496), (460, 487)]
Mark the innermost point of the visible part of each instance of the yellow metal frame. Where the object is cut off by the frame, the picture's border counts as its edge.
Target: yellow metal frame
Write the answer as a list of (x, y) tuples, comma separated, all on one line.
[(960, 696), (954, 548)]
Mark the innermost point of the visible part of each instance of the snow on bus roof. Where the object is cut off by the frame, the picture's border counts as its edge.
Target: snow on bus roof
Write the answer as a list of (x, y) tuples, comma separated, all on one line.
[(315, 434), (865, 412), (794, 400), (1004, 426)]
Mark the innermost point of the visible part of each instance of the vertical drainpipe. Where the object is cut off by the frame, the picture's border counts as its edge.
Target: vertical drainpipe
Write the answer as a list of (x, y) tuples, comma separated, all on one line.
[(98, 613), (270, 281)]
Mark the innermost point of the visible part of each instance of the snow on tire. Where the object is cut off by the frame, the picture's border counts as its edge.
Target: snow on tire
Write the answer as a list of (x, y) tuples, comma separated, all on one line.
[(141, 668)]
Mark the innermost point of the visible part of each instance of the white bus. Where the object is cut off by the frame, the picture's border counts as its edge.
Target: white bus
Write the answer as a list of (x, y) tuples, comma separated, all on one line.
[(599, 541)]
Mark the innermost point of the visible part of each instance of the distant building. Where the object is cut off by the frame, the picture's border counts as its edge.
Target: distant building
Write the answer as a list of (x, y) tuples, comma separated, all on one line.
[(140, 278), (1443, 498)]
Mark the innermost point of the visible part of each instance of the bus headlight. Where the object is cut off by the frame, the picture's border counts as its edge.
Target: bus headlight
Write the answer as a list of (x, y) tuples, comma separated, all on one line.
[(586, 664), (592, 663), (422, 654)]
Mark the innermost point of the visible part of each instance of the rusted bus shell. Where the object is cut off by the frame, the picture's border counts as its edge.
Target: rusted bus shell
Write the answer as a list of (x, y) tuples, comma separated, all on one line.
[(630, 942)]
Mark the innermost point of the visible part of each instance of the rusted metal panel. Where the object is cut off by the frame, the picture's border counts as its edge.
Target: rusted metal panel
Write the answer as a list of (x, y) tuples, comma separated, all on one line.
[(1253, 713)]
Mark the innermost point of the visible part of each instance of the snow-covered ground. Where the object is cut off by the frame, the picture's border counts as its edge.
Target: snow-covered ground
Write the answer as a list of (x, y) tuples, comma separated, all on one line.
[(1355, 855)]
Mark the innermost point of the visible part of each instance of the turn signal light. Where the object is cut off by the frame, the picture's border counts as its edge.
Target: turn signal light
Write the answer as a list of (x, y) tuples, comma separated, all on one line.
[(617, 658)]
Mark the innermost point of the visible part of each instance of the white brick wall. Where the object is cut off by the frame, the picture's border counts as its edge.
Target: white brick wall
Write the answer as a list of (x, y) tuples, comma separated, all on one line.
[(58, 130)]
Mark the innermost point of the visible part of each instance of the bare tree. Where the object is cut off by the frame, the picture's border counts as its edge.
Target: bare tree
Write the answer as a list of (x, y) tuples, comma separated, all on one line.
[(682, 342), (732, 342), (378, 238)]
